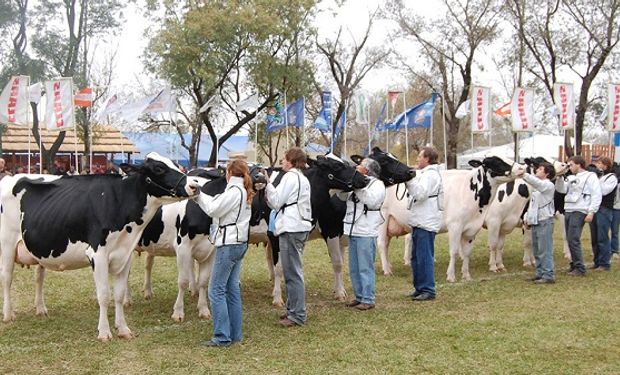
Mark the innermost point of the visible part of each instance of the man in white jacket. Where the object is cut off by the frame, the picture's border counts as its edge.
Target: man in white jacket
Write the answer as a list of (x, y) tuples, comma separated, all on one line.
[(361, 224), (583, 198), (291, 201), (426, 210)]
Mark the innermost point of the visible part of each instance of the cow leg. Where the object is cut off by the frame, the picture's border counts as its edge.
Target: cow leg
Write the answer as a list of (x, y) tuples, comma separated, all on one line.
[(185, 263), (493, 242), (528, 249), (8, 253), (147, 287), (454, 242), (407, 252), (193, 288), (383, 245), (499, 257), (39, 302), (204, 273), (335, 253), (100, 274), (466, 249), (275, 274), (564, 241), (120, 286)]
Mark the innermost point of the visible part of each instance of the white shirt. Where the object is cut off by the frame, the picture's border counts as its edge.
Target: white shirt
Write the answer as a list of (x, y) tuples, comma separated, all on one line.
[(426, 199), (230, 211), (291, 200), (583, 192), (363, 216), (541, 205)]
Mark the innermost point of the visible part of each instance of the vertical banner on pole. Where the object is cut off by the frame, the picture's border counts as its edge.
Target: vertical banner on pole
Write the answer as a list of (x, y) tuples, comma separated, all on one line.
[(563, 96), (14, 101), (613, 108), (481, 109), (59, 113), (522, 110)]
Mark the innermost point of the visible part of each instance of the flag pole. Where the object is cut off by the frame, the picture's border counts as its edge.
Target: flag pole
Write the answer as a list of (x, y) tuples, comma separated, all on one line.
[(406, 119), (387, 131), (77, 170), (217, 150), (445, 141), (40, 140), (344, 125), (368, 125), (256, 143), (28, 118), (288, 145), (303, 124)]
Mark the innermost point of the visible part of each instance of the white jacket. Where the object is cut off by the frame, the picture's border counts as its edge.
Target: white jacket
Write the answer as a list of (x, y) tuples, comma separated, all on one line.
[(583, 192), (230, 212), (426, 199), (291, 200), (541, 205), (363, 216)]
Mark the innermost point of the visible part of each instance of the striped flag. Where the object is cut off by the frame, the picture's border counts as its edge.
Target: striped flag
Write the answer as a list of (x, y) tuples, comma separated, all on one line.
[(84, 97)]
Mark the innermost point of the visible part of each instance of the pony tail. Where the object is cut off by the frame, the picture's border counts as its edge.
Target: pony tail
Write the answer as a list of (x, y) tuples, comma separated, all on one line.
[(249, 188)]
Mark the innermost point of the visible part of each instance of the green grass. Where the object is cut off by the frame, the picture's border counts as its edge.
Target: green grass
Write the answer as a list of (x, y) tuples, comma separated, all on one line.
[(496, 324)]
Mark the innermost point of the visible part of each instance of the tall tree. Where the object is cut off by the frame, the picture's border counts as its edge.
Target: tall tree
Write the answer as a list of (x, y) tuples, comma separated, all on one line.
[(450, 45), (348, 64), (228, 50)]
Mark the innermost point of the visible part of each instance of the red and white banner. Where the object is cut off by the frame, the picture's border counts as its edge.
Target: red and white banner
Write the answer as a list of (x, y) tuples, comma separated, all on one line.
[(59, 113), (110, 105), (563, 96), (481, 109), (613, 108), (14, 103), (393, 97), (163, 102), (84, 97), (522, 110)]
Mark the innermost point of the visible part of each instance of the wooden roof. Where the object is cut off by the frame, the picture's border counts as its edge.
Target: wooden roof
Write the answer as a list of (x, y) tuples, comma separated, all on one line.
[(107, 139)]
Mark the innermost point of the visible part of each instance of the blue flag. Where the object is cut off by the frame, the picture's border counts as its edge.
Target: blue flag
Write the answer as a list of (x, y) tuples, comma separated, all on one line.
[(379, 126), (324, 120), (275, 116), (419, 116), (295, 113)]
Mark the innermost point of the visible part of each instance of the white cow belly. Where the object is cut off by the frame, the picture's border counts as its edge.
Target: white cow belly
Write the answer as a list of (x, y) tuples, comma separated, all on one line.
[(73, 258)]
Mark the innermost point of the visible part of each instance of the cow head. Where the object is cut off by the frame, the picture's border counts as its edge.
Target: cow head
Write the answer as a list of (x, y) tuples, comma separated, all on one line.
[(338, 174), (500, 169), (163, 178), (532, 163), (392, 170)]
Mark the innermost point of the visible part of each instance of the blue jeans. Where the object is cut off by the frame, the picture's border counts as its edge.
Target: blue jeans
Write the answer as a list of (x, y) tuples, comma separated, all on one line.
[(362, 268), (615, 225), (542, 241), (291, 253), (602, 250), (574, 226), (225, 293), (422, 260)]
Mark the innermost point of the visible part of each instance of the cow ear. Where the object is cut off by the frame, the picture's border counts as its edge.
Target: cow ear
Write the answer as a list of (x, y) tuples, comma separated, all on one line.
[(129, 169), (376, 150), (475, 163), (310, 162), (528, 161), (357, 159)]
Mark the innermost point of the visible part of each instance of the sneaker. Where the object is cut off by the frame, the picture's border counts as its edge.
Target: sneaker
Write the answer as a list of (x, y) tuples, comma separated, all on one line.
[(576, 273), (424, 297), (352, 303), (213, 344), (364, 306), (287, 323), (535, 278), (544, 281), (601, 268)]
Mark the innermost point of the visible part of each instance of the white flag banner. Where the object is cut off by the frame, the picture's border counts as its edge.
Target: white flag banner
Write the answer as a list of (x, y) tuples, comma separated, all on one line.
[(613, 108), (213, 101), (14, 102), (361, 109), (563, 96), (250, 102), (163, 102), (130, 112), (35, 92), (109, 106), (462, 110), (59, 113), (481, 109), (522, 110)]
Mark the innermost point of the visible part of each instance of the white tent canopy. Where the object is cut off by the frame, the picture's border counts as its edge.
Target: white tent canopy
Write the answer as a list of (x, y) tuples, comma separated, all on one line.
[(538, 145)]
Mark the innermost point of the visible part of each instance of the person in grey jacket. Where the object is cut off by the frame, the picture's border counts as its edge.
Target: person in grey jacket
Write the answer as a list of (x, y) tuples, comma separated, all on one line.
[(583, 198), (540, 217), (361, 224)]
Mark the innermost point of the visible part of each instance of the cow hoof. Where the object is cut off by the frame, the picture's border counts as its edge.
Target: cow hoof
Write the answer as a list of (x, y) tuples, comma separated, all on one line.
[(128, 302), (528, 264), (466, 278), (502, 269), (105, 337), (451, 279), (341, 296), (278, 302), (41, 312), (204, 314), (148, 295), (125, 334), (178, 317)]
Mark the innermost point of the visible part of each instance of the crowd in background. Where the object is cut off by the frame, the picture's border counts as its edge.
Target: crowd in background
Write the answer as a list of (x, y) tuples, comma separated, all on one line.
[(59, 168)]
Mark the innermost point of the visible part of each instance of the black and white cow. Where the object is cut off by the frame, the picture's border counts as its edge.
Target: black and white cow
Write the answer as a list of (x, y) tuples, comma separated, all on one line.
[(506, 213), (69, 222), (467, 196)]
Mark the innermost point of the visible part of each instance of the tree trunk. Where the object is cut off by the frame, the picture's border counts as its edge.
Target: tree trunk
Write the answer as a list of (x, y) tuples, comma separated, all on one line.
[(452, 136)]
